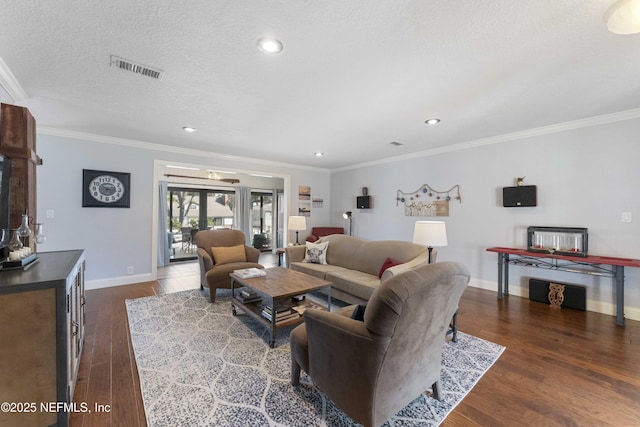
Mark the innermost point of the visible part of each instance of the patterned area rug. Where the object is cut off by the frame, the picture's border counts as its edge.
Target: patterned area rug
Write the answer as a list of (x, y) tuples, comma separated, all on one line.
[(201, 366)]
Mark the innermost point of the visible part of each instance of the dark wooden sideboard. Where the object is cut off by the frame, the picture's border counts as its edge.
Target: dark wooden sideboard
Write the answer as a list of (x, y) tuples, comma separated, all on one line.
[(593, 265), (41, 335)]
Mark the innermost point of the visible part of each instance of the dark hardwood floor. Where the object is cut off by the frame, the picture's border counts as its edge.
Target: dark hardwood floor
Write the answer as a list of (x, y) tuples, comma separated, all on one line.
[(560, 368)]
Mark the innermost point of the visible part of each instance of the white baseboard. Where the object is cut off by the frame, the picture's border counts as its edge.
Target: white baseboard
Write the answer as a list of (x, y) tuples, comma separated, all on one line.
[(118, 281), (632, 313)]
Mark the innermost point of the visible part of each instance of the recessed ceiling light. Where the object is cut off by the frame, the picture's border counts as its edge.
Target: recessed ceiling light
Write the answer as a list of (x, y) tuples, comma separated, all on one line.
[(432, 121), (188, 129), (318, 154), (270, 45)]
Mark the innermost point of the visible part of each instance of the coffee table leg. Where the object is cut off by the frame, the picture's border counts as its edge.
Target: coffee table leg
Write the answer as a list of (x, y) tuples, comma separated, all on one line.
[(273, 324), (233, 307)]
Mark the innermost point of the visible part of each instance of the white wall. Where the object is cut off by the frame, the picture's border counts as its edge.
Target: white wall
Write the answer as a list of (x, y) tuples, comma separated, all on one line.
[(586, 178), (114, 239)]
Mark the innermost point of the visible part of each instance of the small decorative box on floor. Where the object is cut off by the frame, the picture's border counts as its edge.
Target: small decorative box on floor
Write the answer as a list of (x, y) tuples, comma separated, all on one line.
[(558, 294)]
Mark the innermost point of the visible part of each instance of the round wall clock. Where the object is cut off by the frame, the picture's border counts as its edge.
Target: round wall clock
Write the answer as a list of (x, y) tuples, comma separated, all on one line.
[(105, 189)]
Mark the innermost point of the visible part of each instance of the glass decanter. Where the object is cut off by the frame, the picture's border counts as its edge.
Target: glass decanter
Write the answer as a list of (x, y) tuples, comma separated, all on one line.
[(40, 237), (6, 238), (15, 242), (24, 229)]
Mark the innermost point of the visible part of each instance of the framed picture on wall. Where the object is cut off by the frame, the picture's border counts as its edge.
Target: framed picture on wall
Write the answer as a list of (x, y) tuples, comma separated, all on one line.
[(102, 189)]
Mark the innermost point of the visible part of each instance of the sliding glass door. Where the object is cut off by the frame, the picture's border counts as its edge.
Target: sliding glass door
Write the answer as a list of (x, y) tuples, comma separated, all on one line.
[(191, 210), (262, 220)]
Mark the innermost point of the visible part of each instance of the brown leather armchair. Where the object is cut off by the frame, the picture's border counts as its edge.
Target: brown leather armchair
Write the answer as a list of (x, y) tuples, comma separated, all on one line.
[(371, 369), (214, 273)]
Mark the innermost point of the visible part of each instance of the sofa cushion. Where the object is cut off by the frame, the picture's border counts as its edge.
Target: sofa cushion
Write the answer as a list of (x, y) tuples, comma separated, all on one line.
[(316, 270), (388, 263), (225, 255), (354, 282), (316, 253)]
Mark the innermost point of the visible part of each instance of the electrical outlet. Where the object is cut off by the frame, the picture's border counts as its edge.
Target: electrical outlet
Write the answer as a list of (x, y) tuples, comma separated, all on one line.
[(130, 270), (626, 217), (50, 213)]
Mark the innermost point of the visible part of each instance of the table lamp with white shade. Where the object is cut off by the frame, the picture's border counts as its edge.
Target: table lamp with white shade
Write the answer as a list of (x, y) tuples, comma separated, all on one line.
[(297, 223), (430, 234)]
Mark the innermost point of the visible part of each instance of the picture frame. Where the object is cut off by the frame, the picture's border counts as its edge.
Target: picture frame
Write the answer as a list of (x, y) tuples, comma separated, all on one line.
[(105, 189)]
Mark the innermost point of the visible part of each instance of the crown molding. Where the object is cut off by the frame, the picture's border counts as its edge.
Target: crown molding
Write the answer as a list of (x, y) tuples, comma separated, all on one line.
[(151, 146), (508, 137), (10, 84)]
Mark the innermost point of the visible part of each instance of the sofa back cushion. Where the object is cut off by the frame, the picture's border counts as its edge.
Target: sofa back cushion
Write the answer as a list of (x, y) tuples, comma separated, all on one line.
[(368, 256)]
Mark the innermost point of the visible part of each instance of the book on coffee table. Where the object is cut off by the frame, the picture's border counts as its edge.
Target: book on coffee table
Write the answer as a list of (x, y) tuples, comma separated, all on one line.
[(247, 273), (246, 300), (281, 315)]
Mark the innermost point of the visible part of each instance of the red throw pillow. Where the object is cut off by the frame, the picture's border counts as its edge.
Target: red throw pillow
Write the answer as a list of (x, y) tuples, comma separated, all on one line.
[(388, 263)]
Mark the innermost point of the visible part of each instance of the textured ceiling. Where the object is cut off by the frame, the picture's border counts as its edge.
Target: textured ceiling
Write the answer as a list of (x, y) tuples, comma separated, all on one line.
[(354, 75)]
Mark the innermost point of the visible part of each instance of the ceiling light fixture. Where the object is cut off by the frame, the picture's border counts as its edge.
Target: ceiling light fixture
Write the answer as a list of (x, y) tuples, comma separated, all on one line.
[(189, 129), (623, 17), (432, 121), (270, 45), (318, 154)]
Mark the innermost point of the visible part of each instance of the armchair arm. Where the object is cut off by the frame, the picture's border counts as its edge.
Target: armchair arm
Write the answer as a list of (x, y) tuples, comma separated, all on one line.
[(206, 262), (294, 253), (344, 357), (252, 254), (397, 269)]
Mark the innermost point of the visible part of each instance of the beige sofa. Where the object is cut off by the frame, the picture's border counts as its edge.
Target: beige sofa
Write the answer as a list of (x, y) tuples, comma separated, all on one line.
[(353, 264)]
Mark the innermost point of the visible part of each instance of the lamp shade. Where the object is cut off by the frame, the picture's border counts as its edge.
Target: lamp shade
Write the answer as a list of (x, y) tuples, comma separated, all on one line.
[(297, 223), (430, 233), (346, 215), (623, 17)]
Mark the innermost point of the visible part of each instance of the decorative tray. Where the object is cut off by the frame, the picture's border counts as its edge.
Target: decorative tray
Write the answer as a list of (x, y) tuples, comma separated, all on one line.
[(23, 263)]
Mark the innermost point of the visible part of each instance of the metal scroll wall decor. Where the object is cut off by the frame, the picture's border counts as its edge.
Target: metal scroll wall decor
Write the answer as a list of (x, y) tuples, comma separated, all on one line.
[(426, 201)]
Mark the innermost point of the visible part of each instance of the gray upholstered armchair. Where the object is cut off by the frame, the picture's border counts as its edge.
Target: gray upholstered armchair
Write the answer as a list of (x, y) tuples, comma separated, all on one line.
[(373, 368), (219, 253)]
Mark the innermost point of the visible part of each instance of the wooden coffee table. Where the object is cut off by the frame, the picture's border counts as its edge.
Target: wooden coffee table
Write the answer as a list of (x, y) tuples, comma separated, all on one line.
[(277, 289)]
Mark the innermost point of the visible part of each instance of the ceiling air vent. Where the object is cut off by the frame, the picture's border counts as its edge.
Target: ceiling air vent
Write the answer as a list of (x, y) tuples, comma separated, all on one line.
[(125, 64)]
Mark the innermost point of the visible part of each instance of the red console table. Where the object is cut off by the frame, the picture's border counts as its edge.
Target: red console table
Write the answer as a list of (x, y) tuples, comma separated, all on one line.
[(594, 265)]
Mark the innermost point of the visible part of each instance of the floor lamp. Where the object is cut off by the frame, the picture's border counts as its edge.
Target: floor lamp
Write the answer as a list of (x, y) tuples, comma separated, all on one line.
[(297, 223), (349, 216), (430, 234)]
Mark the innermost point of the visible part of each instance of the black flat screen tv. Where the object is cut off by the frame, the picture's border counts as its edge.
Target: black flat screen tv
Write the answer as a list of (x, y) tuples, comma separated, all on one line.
[(5, 187)]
